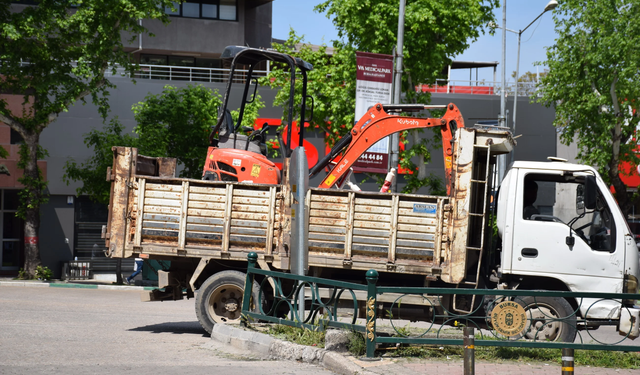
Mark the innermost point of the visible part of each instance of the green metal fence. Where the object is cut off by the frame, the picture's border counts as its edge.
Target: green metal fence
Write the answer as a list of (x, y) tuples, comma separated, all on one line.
[(501, 318)]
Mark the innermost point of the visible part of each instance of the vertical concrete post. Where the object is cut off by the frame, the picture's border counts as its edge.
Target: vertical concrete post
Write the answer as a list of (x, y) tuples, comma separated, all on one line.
[(468, 341), (248, 286), (567, 361), (372, 293)]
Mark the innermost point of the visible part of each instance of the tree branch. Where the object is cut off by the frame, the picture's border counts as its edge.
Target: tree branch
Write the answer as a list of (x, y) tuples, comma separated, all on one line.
[(52, 116), (13, 124)]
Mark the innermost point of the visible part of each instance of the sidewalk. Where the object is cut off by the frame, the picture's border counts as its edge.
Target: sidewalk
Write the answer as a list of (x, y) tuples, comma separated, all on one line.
[(406, 366), (87, 284)]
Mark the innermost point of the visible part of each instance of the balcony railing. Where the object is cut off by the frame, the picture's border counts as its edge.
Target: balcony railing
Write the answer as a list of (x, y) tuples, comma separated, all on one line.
[(186, 73), (477, 88), (193, 74)]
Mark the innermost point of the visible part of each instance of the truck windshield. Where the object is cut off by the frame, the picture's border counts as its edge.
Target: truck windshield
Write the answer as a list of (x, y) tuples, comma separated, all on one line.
[(553, 198)]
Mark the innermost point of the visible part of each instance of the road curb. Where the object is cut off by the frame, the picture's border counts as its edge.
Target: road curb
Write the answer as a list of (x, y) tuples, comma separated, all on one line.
[(40, 284), (269, 347)]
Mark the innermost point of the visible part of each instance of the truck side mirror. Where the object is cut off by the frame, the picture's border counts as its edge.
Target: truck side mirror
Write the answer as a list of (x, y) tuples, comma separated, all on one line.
[(590, 192)]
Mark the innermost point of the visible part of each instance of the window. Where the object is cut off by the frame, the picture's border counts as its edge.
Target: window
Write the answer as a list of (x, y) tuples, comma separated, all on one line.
[(210, 9), (15, 138), (11, 231), (153, 59), (554, 198), (228, 10)]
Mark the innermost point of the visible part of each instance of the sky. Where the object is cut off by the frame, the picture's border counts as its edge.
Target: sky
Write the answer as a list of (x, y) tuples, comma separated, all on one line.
[(318, 29)]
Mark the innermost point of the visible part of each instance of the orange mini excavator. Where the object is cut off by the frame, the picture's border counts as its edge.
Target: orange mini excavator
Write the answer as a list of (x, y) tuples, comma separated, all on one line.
[(239, 157), (376, 124)]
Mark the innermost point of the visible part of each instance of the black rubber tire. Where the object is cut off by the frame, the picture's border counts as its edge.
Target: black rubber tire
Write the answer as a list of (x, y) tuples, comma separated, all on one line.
[(219, 299), (549, 308)]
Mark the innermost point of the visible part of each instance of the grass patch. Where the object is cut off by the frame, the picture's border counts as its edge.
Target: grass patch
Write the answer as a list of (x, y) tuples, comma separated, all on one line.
[(300, 336), (357, 347), (357, 344), (594, 358)]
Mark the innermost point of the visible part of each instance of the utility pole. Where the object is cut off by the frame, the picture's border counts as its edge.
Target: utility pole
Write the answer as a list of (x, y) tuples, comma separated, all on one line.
[(395, 138)]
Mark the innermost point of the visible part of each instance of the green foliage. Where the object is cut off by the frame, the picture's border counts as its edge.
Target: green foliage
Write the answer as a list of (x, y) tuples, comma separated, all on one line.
[(331, 84), (250, 114), (593, 83), (22, 275), (68, 52), (594, 358), (93, 172), (177, 123), (357, 344), (300, 336), (434, 31), (419, 152), (43, 273)]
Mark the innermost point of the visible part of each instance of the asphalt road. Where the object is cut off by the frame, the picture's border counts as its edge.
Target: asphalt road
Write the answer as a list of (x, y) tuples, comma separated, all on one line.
[(94, 331)]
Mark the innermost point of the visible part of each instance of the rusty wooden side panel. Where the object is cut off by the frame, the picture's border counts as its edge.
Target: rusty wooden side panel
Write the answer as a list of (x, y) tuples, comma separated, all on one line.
[(328, 223), (455, 262), (218, 216), (121, 176), (355, 229), (419, 228)]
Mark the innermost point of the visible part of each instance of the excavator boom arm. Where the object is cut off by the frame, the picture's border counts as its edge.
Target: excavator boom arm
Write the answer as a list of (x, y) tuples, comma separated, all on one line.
[(377, 124)]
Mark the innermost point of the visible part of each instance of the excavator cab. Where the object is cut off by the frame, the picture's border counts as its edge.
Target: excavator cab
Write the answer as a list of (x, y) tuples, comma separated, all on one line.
[(234, 156)]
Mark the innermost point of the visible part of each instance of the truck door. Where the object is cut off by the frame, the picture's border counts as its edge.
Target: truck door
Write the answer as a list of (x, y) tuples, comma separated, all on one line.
[(545, 206)]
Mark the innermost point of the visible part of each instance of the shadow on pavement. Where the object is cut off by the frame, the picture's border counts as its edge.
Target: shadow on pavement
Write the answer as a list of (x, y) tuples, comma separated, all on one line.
[(174, 327)]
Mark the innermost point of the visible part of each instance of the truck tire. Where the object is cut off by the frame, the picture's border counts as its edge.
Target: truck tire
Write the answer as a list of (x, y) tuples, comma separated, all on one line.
[(219, 299), (542, 313)]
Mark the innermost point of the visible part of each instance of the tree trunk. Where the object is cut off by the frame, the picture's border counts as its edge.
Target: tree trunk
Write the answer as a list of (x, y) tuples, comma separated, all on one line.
[(32, 210)]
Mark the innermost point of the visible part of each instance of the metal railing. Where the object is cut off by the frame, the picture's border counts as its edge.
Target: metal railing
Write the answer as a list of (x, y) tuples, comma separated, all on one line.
[(515, 318), (186, 73), (478, 87)]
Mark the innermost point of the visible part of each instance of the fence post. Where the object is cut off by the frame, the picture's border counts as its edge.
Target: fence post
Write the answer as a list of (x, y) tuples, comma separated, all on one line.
[(468, 341), (370, 336), (567, 361), (248, 286)]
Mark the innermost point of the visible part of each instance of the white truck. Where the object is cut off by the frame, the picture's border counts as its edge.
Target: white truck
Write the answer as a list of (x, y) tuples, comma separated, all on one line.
[(552, 226), (578, 241)]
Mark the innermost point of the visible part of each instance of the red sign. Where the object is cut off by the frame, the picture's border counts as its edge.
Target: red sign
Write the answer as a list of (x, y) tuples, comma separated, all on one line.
[(31, 240)]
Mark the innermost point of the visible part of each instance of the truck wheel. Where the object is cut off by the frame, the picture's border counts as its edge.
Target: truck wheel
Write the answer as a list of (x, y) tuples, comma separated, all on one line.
[(219, 299), (542, 313)]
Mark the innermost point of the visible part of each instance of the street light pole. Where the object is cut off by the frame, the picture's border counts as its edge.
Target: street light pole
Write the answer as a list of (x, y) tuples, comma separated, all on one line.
[(551, 5), (395, 137), (503, 97)]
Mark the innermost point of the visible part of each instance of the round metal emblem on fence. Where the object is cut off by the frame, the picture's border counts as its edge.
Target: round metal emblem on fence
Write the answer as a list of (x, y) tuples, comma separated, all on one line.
[(509, 318)]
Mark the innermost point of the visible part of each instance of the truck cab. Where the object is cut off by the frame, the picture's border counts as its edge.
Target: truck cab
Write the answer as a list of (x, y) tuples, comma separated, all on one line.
[(561, 229)]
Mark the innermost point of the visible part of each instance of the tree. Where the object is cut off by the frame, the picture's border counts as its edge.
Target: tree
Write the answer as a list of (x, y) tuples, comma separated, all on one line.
[(53, 55), (174, 123), (594, 84), (434, 32), (93, 172), (177, 123)]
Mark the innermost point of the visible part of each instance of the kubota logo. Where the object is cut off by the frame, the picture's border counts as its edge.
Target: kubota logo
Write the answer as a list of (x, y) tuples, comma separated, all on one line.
[(403, 121), (341, 166)]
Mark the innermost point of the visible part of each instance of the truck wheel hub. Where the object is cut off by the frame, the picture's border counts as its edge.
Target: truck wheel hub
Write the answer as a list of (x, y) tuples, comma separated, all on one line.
[(231, 304)]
